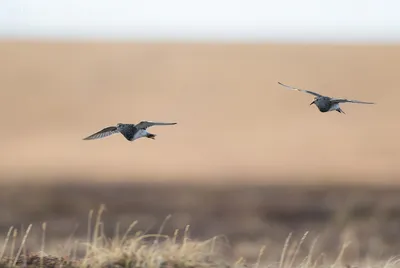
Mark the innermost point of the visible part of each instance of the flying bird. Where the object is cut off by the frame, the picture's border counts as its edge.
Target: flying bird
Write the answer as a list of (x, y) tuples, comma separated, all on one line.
[(130, 131), (325, 103)]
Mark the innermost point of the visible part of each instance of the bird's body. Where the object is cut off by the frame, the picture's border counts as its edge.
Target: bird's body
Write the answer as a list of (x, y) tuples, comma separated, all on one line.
[(131, 132), (325, 103)]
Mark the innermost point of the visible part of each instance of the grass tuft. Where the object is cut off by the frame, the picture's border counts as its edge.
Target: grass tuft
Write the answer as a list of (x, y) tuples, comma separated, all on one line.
[(141, 250)]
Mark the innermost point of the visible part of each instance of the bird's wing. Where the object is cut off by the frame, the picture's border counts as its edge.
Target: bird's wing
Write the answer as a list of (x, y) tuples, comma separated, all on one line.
[(301, 90), (146, 124), (102, 133), (352, 101)]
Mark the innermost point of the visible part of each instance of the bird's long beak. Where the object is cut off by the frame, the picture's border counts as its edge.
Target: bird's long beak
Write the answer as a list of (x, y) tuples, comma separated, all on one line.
[(312, 102)]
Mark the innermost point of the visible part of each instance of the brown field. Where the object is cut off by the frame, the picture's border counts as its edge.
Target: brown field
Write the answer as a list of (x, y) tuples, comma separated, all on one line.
[(248, 159), (248, 216)]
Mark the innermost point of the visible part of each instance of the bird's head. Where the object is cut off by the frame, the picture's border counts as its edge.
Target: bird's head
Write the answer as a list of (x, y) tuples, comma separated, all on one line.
[(119, 125), (151, 136)]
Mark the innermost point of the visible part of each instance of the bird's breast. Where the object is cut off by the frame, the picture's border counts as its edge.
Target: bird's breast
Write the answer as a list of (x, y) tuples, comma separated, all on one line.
[(324, 106), (323, 109)]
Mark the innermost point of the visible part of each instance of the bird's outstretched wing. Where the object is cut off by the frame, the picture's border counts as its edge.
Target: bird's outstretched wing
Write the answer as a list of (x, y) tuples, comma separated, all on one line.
[(301, 90), (102, 133), (334, 100), (146, 124)]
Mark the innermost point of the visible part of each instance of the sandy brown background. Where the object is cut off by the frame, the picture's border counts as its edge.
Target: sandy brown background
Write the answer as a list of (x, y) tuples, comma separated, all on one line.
[(233, 118), (236, 125)]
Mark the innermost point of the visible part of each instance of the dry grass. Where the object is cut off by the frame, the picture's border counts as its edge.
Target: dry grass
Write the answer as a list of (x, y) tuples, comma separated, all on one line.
[(144, 250), (249, 216), (129, 250)]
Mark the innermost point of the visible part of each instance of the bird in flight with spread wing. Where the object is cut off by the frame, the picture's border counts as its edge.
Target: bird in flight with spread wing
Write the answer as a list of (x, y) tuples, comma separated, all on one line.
[(325, 103), (130, 131)]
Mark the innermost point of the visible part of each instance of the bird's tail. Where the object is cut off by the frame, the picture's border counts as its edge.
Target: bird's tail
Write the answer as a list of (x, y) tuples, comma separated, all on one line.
[(340, 110), (151, 136)]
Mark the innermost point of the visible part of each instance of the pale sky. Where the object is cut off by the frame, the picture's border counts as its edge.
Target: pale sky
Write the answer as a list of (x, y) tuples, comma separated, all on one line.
[(204, 20)]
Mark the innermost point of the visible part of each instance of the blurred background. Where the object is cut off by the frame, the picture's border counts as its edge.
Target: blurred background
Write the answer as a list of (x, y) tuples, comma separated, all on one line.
[(247, 159)]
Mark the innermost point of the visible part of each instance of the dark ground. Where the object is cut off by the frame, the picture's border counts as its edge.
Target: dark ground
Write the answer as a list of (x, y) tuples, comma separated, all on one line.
[(249, 215)]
